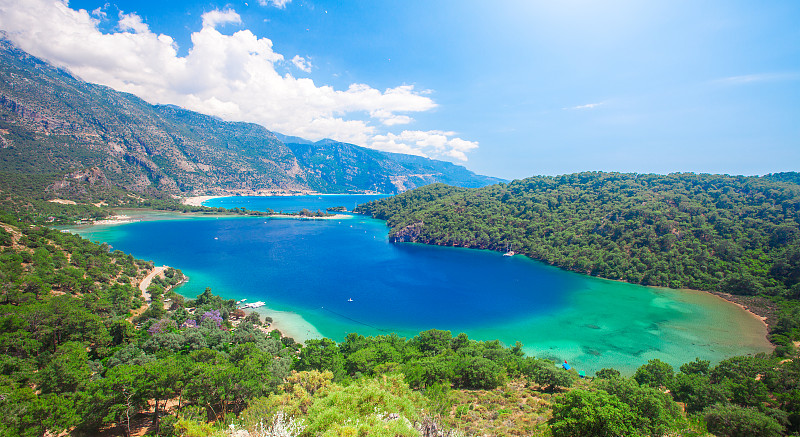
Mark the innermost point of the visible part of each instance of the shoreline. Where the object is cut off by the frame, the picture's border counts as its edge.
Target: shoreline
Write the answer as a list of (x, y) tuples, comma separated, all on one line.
[(287, 323), (133, 215), (199, 200), (759, 308), (305, 217)]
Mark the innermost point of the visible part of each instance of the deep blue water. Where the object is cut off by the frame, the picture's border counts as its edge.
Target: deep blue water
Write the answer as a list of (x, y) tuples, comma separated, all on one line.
[(309, 270), (316, 266)]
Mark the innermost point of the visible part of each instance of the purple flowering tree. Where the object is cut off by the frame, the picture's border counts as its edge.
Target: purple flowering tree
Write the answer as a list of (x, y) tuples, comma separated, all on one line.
[(161, 326), (190, 323), (213, 316)]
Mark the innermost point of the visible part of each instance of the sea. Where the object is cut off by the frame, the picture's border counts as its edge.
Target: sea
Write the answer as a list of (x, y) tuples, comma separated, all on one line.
[(331, 277)]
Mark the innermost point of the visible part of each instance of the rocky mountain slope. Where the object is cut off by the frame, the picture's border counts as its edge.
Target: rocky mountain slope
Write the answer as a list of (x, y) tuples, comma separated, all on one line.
[(53, 122)]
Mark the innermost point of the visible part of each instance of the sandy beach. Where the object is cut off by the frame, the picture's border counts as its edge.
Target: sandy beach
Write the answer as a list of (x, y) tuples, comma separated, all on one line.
[(289, 324), (760, 308), (115, 220), (198, 200)]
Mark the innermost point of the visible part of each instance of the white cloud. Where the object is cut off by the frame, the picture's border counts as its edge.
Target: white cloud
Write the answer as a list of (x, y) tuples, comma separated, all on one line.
[(586, 106), (277, 3), (231, 76), (432, 144), (131, 22), (100, 13), (217, 17), (302, 63), (761, 77)]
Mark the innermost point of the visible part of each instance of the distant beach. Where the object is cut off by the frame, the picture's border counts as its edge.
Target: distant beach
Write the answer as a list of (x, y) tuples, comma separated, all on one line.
[(198, 200), (115, 220), (306, 217)]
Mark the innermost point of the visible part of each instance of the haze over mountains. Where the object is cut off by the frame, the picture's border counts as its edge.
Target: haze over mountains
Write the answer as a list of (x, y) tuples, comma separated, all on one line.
[(52, 122)]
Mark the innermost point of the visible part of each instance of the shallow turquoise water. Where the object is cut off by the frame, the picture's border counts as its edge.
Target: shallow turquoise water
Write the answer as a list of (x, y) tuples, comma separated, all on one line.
[(308, 270)]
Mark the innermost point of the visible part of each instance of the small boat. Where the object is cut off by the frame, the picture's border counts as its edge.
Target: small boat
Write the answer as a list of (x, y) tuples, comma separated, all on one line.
[(509, 253), (350, 300), (255, 304)]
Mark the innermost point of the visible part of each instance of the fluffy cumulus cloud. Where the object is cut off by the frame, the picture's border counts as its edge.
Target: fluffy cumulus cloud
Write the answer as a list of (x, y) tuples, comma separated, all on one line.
[(436, 144), (302, 63), (233, 76), (215, 18)]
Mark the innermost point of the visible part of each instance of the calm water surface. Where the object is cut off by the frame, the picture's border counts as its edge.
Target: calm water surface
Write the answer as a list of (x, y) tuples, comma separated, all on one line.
[(332, 277)]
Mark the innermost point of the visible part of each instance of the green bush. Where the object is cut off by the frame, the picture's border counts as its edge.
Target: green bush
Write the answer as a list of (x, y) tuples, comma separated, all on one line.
[(736, 421)]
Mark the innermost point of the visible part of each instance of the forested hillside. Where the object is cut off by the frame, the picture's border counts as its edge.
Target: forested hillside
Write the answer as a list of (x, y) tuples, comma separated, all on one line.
[(83, 351), (711, 232)]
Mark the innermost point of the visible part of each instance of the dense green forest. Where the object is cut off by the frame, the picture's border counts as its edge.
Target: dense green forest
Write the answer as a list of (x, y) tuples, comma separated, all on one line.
[(733, 234), (83, 353)]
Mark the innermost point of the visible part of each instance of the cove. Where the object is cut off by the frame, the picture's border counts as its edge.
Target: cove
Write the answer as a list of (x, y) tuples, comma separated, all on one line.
[(331, 277)]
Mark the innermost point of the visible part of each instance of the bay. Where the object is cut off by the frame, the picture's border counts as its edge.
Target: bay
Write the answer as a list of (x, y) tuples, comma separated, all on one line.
[(331, 277)]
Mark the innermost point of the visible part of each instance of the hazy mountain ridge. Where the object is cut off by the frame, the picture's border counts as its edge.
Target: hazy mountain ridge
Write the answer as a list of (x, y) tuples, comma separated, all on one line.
[(52, 122)]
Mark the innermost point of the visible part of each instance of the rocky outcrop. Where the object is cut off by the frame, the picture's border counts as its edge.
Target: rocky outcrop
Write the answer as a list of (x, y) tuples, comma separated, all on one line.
[(408, 234)]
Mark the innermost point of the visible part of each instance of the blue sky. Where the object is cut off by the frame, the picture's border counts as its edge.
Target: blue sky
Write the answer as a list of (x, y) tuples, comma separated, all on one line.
[(510, 89)]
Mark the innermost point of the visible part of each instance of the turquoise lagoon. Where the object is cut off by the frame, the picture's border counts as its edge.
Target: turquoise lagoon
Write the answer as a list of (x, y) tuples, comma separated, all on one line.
[(332, 277)]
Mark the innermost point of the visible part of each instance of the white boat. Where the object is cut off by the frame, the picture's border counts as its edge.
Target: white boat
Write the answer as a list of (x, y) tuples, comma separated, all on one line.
[(255, 304), (350, 300), (509, 253)]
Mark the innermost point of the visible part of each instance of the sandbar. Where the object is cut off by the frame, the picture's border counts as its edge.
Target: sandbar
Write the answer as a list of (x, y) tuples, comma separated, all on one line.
[(114, 220), (198, 200), (306, 217)]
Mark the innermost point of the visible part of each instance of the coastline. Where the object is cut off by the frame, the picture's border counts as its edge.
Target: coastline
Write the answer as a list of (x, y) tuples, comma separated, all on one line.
[(287, 323), (759, 308), (304, 217), (198, 200), (114, 220), (132, 215)]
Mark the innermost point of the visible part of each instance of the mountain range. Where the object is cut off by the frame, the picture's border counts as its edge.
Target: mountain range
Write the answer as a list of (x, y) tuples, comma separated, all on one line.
[(52, 122)]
